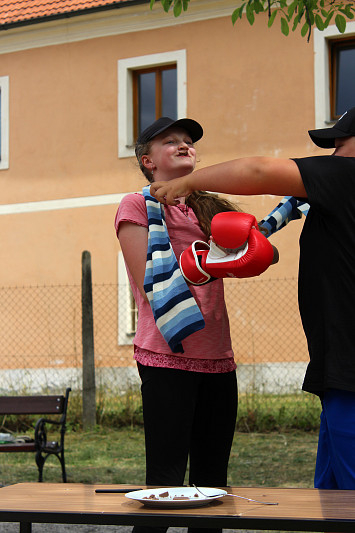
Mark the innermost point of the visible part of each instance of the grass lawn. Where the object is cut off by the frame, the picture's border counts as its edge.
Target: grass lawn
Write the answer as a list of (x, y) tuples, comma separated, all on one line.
[(117, 456)]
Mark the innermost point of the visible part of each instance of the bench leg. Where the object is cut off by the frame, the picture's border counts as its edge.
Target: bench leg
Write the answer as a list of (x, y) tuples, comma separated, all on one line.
[(62, 462), (25, 527), (40, 463), (40, 460)]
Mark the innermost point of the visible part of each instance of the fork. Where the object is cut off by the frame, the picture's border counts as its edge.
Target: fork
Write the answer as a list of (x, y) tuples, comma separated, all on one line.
[(234, 496)]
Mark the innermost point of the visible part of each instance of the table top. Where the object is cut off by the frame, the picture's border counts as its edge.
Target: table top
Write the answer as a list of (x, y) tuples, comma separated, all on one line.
[(297, 509)]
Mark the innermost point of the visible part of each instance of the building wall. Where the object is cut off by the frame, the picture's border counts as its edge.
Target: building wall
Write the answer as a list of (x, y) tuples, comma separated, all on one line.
[(252, 89)]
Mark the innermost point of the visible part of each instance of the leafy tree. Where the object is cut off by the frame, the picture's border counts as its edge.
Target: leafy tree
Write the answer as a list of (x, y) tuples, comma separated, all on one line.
[(303, 14)]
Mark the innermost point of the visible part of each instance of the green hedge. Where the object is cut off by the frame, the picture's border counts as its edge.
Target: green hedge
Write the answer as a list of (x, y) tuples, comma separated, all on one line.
[(256, 412)]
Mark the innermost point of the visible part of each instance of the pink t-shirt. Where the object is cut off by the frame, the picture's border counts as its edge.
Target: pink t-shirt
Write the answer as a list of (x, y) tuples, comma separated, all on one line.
[(213, 342)]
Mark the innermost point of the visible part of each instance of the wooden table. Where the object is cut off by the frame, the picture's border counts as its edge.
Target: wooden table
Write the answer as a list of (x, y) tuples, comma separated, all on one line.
[(297, 509)]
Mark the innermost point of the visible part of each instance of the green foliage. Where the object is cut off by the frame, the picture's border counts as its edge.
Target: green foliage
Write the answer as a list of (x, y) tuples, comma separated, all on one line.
[(177, 5), (112, 410), (268, 412), (256, 412), (306, 14)]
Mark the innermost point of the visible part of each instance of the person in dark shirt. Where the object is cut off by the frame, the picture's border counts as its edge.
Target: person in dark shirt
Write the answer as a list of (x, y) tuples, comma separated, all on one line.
[(326, 273)]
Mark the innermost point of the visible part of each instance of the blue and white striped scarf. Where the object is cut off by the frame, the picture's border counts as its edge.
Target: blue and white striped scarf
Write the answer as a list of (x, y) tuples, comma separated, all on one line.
[(175, 311), (288, 209)]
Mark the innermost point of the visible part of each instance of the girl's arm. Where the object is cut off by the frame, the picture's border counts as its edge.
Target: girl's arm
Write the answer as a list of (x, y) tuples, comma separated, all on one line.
[(134, 243)]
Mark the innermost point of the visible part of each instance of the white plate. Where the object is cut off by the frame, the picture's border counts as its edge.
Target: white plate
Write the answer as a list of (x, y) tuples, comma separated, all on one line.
[(170, 497)]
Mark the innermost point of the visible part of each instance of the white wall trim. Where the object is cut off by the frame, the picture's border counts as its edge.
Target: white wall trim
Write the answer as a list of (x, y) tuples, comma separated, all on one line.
[(123, 302), (111, 22), (125, 90), (64, 203), (4, 88), (321, 71), (264, 378)]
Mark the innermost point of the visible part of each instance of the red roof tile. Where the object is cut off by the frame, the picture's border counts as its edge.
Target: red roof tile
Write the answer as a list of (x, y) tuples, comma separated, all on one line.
[(22, 11)]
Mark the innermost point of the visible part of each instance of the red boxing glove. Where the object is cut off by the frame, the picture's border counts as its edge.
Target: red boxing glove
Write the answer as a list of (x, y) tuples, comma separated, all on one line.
[(231, 230), (191, 261), (246, 251), (238, 250)]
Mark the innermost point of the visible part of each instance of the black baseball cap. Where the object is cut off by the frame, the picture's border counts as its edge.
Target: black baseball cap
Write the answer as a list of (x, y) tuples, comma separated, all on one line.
[(163, 123), (344, 127)]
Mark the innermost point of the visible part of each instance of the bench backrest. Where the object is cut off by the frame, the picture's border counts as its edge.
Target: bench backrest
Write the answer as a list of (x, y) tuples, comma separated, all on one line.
[(34, 405)]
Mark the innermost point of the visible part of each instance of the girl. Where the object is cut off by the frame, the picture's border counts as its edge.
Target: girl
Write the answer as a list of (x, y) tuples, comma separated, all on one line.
[(189, 398)]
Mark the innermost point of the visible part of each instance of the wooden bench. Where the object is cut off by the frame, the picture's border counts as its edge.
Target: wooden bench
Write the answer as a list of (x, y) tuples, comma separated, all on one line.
[(38, 405)]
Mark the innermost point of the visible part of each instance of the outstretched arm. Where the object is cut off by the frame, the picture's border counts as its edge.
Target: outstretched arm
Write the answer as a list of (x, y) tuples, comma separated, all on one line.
[(288, 209), (245, 176)]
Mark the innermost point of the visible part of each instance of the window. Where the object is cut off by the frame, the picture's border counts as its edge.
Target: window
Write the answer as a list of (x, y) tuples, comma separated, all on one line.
[(149, 87), (154, 96), (334, 73), (342, 76), (127, 309), (4, 122)]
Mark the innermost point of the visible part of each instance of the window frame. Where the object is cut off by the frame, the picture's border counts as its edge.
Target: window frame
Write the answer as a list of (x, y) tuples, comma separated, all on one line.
[(126, 67), (4, 125), (322, 88), (125, 334), (334, 45)]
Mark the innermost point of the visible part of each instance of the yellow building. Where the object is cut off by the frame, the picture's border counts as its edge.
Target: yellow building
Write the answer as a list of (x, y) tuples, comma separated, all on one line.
[(69, 78)]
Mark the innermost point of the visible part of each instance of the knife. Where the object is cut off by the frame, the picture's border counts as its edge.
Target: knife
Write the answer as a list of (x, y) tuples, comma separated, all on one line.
[(101, 491)]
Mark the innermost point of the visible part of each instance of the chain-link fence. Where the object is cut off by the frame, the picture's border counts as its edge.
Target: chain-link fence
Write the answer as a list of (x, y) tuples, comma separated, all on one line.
[(41, 341)]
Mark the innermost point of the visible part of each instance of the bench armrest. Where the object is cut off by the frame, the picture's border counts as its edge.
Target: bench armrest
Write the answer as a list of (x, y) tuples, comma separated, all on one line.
[(41, 421), (41, 440)]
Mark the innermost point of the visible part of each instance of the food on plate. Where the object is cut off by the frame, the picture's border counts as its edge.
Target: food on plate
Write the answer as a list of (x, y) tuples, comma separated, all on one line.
[(166, 495)]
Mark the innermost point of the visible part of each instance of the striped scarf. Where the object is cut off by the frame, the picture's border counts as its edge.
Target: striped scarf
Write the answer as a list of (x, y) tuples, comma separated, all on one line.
[(175, 311), (288, 209)]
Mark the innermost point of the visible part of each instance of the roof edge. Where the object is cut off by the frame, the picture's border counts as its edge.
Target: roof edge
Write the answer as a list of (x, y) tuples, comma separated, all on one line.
[(70, 14)]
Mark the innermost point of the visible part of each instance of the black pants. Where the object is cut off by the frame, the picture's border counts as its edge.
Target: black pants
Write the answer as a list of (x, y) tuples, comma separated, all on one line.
[(187, 415)]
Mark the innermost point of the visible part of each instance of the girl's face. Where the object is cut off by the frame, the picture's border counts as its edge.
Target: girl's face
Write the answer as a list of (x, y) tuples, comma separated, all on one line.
[(172, 155)]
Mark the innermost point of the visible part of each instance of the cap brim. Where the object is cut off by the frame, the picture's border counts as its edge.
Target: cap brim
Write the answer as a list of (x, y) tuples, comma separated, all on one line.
[(325, 138), (191, 126)]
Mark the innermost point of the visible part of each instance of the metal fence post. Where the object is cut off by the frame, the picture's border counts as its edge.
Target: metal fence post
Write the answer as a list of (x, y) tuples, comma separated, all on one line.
[(89, 390)]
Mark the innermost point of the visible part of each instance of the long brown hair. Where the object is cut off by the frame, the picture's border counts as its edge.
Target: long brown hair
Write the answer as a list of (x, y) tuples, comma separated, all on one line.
[(204, 204)]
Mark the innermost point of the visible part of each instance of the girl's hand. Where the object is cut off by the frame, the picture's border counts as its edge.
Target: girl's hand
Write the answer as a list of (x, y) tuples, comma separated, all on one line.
[(167, 192)]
